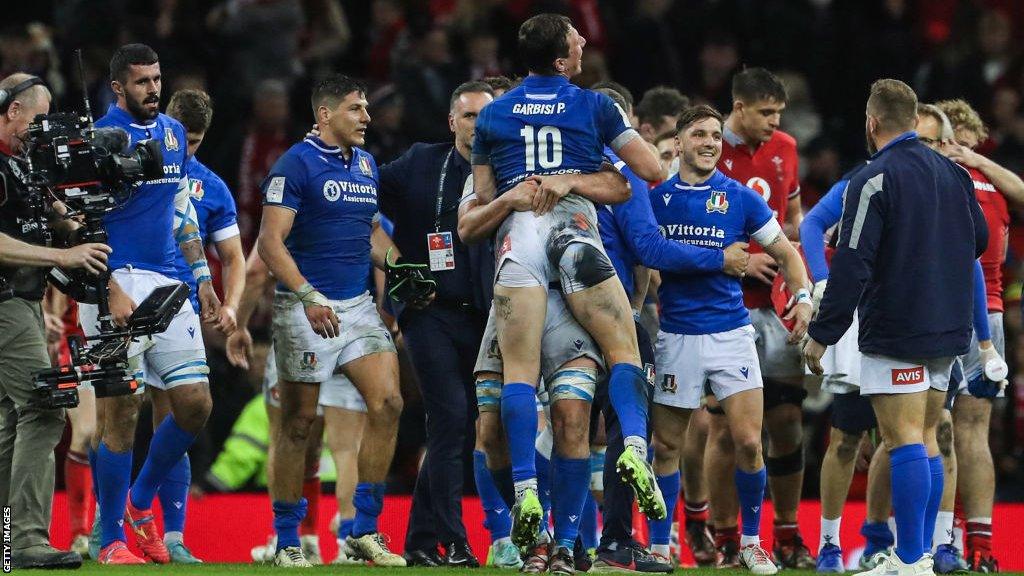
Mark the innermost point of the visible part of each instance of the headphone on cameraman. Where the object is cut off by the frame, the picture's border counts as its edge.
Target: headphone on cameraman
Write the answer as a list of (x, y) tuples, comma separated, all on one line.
[(7, 96)]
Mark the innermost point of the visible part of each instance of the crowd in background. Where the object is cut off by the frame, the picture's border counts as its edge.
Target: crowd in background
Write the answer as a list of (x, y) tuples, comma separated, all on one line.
[(257, 58)]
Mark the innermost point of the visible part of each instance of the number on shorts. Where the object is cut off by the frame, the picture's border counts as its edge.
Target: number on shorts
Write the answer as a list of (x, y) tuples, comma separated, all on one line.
[(539, 151)]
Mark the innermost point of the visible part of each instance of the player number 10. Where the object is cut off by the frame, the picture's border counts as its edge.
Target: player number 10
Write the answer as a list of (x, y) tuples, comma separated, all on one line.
[(538, 151)]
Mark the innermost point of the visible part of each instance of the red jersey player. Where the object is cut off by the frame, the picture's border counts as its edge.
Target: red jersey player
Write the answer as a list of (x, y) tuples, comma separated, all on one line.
[(975, 475), (758, 154)]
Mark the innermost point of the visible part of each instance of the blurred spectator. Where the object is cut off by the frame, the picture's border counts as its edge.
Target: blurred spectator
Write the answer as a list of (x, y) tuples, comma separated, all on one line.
[(265, 139), (387, 25), (801, 120), (482, 51), (29, 48), (719, 58), (595, 70), (384, 137), (658, 110), (325, 38), (646, 54), (261, 41), (500, 84), (428, 80), (821, 168)]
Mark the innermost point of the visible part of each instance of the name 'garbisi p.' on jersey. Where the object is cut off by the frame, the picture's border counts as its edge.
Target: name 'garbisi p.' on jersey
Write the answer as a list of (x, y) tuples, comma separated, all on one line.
[(548, 126), (335, 202)]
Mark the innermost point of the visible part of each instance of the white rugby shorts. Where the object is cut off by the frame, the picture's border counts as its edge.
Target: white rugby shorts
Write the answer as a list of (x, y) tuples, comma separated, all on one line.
[(304, 356), (725, 361), (885, 375)]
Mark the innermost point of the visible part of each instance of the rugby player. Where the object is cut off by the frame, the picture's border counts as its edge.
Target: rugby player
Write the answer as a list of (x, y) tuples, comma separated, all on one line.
[(973, 407), (706, 338), (762, 157), (320, 202), (549, 127), (143, 232)]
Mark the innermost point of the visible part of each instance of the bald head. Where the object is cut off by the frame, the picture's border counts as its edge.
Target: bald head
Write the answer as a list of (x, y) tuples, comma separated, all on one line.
[(27, 97), (22, 108)]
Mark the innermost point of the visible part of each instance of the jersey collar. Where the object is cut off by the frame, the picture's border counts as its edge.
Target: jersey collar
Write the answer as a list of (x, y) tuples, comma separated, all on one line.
[(540, 82), (678, 184), (911, 135), (123, 117)]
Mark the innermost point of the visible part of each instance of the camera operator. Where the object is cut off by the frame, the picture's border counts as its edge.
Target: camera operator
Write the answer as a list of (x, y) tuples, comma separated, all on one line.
[(28, 433)]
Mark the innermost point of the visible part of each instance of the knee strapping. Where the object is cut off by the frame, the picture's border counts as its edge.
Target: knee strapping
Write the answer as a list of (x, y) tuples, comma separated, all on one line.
[(582, 265), (488, 395), (192, 371), (574, 384), (787, 464)]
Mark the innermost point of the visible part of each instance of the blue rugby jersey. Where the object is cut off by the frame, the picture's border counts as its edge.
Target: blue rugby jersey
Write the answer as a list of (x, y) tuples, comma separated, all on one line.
[(548, 126), (140, 230), (713, 214), (335, 202)]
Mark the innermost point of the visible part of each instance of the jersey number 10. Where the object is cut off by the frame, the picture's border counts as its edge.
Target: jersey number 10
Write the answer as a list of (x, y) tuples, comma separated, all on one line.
[(539, 152)]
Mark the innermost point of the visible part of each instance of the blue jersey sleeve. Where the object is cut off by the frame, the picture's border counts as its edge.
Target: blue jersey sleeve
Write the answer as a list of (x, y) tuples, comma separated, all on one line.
[(223, 222), (980, 304), (855, 255), (481, 138), (825, 214), (613, 123), (283, 186), (635, 219)]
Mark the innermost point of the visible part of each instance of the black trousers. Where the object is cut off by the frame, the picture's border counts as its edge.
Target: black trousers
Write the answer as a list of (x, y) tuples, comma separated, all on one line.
[(443, 341), (618, 497)]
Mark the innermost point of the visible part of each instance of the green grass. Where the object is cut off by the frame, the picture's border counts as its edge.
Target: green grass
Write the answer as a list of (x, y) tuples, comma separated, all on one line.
[(215, 569)]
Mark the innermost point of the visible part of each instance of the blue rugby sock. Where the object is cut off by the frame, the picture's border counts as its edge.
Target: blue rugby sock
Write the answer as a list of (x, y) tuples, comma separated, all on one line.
[(878, 537), (661, 530), (911, 490), (345, 528), (934, 500), (569, 488), (588, 524), (287, 517), (519, 416), (173, 494), (750, 489), (626, 392), (113, 473), (497, 516), (170, 443), (369, 502)]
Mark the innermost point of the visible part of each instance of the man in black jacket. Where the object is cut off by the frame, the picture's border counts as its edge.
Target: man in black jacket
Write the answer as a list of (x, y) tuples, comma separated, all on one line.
[(910, 232), (420, 193)]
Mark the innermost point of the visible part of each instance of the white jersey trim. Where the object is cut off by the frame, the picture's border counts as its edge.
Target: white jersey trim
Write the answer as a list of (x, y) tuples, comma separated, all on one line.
[(225, 233), (767, 234)]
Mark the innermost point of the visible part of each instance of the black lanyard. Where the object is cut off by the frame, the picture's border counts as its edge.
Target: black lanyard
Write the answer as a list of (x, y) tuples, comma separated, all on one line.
[(440, 190)]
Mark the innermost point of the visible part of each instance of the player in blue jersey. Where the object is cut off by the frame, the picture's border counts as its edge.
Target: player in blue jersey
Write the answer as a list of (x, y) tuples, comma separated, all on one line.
[(216, 217), (320, 205), (145, 233), (549, 128), (706, 338)]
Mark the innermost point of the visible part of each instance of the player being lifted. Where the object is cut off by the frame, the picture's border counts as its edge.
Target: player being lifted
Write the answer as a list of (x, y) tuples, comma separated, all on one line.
[(706, 337), (549, 127), (320, 204)]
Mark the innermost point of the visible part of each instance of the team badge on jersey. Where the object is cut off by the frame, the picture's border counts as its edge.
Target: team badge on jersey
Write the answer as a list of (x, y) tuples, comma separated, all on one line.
[(668, 383), (195, 189), (364, 166), (308, 361), (717, 202), (170, 140), (649, 373)]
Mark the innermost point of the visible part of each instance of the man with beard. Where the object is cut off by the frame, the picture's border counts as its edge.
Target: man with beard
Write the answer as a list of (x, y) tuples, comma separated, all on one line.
[(142, 233), (910, 219)]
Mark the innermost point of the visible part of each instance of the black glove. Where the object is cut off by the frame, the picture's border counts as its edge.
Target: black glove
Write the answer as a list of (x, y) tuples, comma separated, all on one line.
[(408, 282)]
